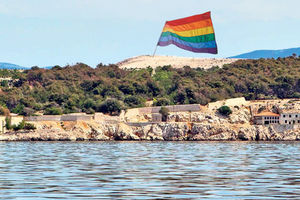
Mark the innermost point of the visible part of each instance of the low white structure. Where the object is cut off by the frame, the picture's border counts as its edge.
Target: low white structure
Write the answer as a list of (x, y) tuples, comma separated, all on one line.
[(266, 117), (286, 117), (240, 101), (15, 120), (290, 117), (70, 117)]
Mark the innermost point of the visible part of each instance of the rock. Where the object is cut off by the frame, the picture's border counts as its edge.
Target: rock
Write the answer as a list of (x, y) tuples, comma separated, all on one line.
[(174, 131), (246, 134), (208, 117), (125, 132), (179, 117), (211, 132), (155, 133), (203, 127), (240, 117), (198, 117)]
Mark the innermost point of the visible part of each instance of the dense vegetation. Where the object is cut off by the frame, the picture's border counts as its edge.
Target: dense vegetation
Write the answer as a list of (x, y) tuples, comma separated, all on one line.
[(225, 110), (108, 89)]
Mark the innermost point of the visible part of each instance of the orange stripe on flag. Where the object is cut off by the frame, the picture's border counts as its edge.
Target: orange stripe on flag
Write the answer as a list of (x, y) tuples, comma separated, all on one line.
[(190, 26)]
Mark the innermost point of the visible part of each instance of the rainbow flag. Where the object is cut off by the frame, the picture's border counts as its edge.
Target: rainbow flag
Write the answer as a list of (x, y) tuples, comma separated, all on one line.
[(195, 33)]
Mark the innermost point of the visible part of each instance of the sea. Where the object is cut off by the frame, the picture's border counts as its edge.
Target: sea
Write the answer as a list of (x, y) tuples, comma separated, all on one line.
[(149, 170)]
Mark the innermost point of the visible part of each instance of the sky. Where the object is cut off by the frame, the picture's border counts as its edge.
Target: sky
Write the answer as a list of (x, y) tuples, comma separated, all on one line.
[(61, 32)]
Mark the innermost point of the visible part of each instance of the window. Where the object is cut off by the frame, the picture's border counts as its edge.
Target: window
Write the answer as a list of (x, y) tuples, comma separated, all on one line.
[(283, 115), (290, 116), (286, 121)]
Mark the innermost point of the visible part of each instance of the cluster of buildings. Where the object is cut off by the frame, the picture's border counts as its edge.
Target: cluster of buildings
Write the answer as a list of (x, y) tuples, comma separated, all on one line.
[(284, 116)]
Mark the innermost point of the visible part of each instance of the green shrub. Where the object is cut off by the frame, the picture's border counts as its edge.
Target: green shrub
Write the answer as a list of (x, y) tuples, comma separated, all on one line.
[(18, 109), (133, 101), (4, 111), (224, 110), (110, 106), (79, 87), (15, 127), (8, 123), (53, 111), (18, 127), (29, 126), (89, 103), (161, 102), (21, 125), (165, 113)]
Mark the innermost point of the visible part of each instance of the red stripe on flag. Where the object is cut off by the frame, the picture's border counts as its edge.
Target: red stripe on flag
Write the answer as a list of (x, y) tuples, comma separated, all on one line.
[(191, 19)]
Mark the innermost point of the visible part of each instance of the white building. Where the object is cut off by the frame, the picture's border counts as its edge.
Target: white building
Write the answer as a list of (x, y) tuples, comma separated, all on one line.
[(290, 117), (266, 117)]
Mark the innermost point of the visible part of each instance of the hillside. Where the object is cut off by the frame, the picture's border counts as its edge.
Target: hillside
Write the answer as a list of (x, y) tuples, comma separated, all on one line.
[(108, 88), (175, 62), (269, 53), (4, 65)]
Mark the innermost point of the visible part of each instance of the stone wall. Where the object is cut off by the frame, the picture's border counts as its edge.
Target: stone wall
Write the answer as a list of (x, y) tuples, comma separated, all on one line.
[(241, 101), (100, 117), (60, 118), (15, 120), (175, 108), (142, 114)]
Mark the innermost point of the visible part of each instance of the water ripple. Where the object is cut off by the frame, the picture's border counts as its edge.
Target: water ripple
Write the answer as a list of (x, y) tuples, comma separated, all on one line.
[(149, 170)]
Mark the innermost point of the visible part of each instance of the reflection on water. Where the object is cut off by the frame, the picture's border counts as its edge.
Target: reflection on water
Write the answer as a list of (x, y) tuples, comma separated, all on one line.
[(144, 170)]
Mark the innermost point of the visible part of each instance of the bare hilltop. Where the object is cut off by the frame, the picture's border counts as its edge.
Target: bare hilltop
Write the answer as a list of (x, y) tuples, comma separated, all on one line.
[(176, 62)]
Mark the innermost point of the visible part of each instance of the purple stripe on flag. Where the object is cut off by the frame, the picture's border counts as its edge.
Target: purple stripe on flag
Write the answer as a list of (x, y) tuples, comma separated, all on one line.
[(196, 50)]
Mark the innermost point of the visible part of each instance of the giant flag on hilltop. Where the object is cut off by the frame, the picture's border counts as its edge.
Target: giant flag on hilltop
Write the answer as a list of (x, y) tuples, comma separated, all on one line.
[(195, 33)]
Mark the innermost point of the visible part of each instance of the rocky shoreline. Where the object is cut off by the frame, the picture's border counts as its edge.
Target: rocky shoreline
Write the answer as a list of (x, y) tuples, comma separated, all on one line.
[(203, 125), (91, 131)]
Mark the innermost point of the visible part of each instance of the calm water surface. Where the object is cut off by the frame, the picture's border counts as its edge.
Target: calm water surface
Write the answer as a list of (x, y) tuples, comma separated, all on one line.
[(144, 170)]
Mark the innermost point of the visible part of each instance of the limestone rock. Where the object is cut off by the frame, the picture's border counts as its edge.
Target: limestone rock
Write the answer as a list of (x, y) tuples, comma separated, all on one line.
[(247, 134), (174, 131)]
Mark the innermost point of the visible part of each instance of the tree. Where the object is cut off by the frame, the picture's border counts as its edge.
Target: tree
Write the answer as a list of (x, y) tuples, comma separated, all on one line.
[(224, 110), (110, 106), (126, 89), (133, 101), (29, 126), (161, 102), (4, 111), (8, 123), (18, 109), (89, 103), (179, 98), (165, 113), (20, 126), (53, 111)]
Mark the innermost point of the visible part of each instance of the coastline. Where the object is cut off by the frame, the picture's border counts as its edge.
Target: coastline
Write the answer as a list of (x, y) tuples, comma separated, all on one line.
[(83, 131), (184, 123)]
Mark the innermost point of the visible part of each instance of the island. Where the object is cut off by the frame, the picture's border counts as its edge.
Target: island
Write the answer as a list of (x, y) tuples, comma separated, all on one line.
[(213, 99)]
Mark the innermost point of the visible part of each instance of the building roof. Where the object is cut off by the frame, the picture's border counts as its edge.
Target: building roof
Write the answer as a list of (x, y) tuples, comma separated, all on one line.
[(267, 113)]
